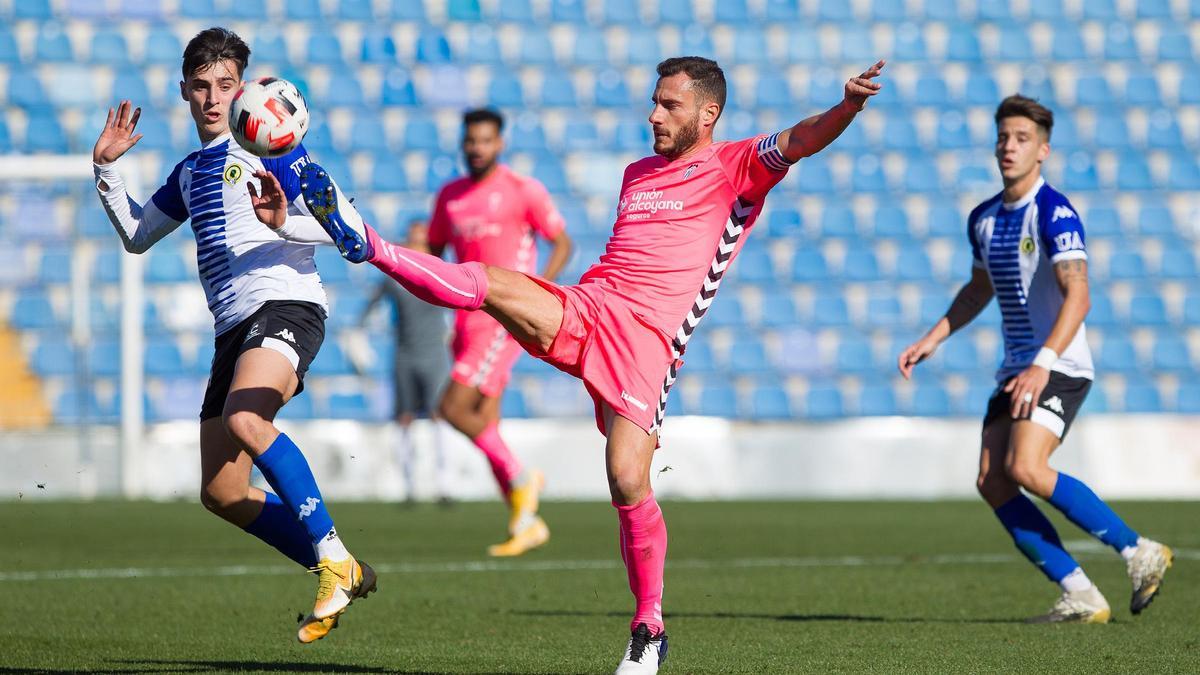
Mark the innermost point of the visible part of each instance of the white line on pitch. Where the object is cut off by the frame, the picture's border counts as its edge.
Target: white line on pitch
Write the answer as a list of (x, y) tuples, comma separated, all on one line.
[(537, 566)]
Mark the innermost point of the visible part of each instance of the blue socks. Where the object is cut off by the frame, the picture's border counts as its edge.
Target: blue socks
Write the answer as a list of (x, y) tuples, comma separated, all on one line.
[(1035, 536), (284, 467), (1082, 507), (278, 527)]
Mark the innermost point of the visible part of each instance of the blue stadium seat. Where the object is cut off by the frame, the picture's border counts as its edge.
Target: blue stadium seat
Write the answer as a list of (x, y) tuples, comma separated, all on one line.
[(952, 131), (931, 90), (884, 310), (536, 48), (750, 47), (324, 48), (838, 220), (900, 133), (197, 9), (962, 44), (1156, 220), (784, 222), (1125, 265), (53, 45), (620, 12), (398, 89), (877, 400), (1147, 310), (1100, 10), (248, 10), (856, 356), (463, 10), (675, 12), (568, 11), (347, 405), (109, 47), (505, 91), (558, 90), (1154, 9), (778, 310), (356, 10), (165, 265), (1014, 44), (823, 402), (755, 265), (1187, 400), (830, 310), (1102, 312), (642, 46), (53, 356), (388, 174), (1184, 173), (931, 308), (944, 220), (1117, 354), (163, 48), (1142, 398), (861, 266), (809, 265), (1079, 173), (408, 10), (1142, 89), (302, 10), (440, 170), (908, 42), (1178, 263), (695, 39), (773, 91), (632, 135), (162, 358), (804, 46), (38, 10), (367, 133), (515, 11), (377, 47), (331, 360), (716, 400), (867, 175), (890, 11), (981, 90), (1171, 354), (1037, 85), (891, 222), (921, 175), (814, 175), (590, 48), (482, 46), (1162, 131), (857, 46), (1103, 221), (1174, 44), (550, 173), (1068, 44), (930, 400), (770, 402), (781, 10), (1119, 44), (961, 355), (421, 133), (610, 90), (1111, 131), (731, 12), (44, 134), (913, 264), (344, 91), (1093, 90), (994, 10), (725, 313), (1046, 10), (1133, 173), (432, 47), (834, 11), (86, 10)]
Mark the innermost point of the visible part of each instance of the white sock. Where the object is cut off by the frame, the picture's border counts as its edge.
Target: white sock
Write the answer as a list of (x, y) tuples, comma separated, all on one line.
[(331, 547), (1128, 551), (1076, 581)]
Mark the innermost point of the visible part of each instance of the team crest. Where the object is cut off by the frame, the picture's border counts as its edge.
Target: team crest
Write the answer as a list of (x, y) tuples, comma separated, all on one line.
[(233, 174), (1027, 245), (689, 171)]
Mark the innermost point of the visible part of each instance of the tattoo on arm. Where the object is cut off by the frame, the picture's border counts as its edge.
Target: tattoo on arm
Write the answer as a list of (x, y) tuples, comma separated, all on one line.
[(1071, 271)]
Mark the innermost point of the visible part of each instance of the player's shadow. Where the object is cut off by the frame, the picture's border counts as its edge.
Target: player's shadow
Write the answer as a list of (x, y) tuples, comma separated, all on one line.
[(817, 618), (227, 666)]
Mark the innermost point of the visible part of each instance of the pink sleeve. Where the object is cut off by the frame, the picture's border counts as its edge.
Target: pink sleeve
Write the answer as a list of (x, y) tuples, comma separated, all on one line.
[(540, 211), (439, 223), (754, 165)]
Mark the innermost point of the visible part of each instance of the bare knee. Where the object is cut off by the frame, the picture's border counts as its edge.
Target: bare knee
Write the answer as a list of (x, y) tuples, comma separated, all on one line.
[(628, 486), (224, 499), (996, 488), (1031, 474), (455, 413), (250, 430)]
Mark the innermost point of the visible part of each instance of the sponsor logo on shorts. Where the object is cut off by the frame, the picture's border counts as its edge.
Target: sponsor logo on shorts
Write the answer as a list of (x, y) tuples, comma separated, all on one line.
[(255, 331), (626, 397), (1054, 403), (308, 507), (287, 335)]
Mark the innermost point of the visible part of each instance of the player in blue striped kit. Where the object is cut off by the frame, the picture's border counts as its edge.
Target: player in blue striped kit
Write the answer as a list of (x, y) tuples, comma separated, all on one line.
[(269, 310), (1030, 254)]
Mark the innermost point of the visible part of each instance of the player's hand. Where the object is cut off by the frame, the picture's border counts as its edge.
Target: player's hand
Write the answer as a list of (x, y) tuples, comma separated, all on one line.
[(860, 88), (118, 135), (916, 353), (1026, 390), (271, 206)]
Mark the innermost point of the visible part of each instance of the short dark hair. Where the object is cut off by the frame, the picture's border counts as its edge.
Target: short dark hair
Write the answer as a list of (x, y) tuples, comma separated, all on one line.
[(707, 76), (212, 45), (483, 115), (1023, 106)]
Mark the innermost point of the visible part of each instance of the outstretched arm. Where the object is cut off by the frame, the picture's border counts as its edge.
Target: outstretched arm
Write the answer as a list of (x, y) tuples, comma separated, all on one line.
[(811, 135), (138, 226), (970, 301), (271, 209)]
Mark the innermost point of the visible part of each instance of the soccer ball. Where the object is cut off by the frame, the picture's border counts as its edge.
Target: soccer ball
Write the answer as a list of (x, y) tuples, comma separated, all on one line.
[(269, 117)]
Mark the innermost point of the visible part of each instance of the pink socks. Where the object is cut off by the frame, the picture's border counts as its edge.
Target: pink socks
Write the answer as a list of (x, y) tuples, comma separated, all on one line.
[(644, 550), (453, 285), (505, 466)]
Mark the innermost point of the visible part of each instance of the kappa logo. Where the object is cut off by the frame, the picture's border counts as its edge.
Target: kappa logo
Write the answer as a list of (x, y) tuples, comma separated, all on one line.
[(287, 335), (1061, 211), (255, 331), (690, 170), (308, 507), (1054, 403)]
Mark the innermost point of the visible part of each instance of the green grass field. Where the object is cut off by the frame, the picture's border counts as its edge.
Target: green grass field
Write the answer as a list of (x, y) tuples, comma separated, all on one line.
[(777, 587)]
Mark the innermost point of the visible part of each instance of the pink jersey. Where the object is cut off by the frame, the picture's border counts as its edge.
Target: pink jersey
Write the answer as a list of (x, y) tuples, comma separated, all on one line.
[(679, 225), (493, 221)]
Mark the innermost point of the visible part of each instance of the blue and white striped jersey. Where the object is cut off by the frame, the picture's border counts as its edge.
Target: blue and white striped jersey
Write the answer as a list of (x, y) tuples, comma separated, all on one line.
[(1018, 244), (242, 263)]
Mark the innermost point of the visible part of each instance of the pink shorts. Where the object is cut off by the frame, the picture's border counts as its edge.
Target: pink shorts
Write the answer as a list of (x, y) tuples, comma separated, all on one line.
[(484, 353), (621, 358)]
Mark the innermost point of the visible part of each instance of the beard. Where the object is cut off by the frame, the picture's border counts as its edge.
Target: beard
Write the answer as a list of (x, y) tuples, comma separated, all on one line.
[(685, 139)]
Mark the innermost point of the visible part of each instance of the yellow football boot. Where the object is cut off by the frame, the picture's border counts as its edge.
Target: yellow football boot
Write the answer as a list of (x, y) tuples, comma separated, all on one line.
[(527, 538)]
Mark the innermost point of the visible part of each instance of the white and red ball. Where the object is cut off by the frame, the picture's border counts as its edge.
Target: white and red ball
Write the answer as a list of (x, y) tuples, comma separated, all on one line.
[(268, 117)]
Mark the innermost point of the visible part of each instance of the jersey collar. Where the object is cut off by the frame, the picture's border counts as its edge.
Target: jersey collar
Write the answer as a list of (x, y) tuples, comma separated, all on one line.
[(1028, 197)]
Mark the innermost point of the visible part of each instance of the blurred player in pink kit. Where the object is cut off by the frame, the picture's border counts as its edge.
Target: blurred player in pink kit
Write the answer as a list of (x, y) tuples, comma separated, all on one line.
[(492, 216), (681, 218)]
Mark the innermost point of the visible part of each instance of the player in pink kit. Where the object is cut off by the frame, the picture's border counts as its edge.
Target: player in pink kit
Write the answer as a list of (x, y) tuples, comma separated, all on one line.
[(682, 217), (492, 217)]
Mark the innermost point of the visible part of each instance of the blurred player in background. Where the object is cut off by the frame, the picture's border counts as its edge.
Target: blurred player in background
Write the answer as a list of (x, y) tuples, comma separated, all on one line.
[(269, 310), (1029, 253), (623, 328), (492, 216), (419, 369)]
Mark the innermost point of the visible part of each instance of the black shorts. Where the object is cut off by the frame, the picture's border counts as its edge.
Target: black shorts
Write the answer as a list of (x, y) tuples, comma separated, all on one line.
[(294, 329), (417, 386), (1060, 402)]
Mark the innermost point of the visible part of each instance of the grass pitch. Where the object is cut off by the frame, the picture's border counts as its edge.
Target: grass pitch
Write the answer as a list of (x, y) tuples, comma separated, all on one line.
[(763, 587)]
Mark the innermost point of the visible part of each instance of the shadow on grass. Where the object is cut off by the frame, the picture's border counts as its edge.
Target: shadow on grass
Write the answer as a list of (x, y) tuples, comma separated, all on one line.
[(133, 667), (801, 618)]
